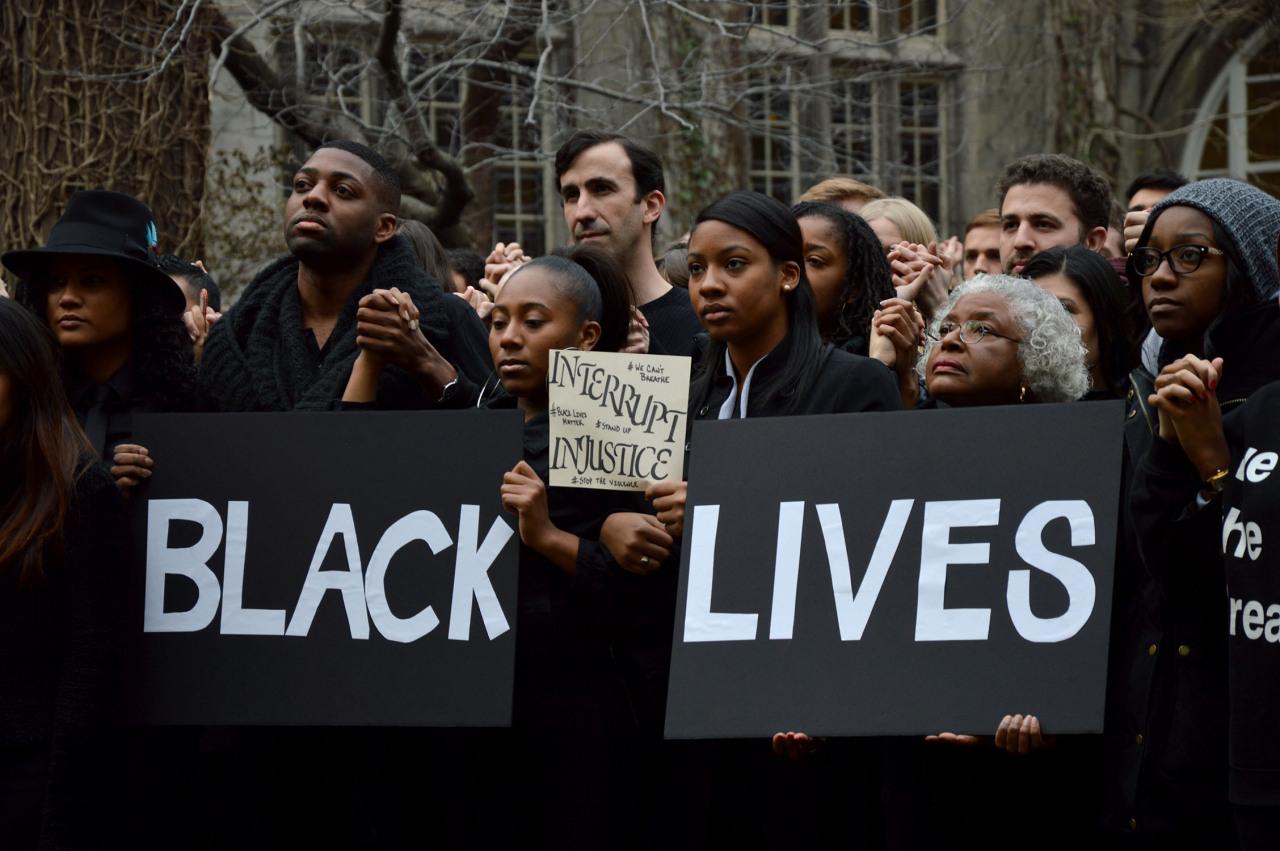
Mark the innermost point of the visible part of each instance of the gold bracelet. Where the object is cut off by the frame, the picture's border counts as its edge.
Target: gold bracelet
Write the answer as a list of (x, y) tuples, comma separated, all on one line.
[(1217, 483)]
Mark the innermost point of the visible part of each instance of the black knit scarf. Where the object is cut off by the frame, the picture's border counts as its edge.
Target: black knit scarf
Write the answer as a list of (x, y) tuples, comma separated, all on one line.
[(256, 358)]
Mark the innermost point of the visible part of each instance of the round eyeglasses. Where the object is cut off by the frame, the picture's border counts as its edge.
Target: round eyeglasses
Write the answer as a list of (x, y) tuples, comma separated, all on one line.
[(971, 331), (1183, 259)]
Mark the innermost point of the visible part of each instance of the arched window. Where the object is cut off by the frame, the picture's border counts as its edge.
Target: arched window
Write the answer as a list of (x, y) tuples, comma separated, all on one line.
[(1237, 129)]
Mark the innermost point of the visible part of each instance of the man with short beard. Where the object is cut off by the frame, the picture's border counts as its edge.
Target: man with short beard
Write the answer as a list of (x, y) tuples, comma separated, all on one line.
[(1048, 200), (291, 340)]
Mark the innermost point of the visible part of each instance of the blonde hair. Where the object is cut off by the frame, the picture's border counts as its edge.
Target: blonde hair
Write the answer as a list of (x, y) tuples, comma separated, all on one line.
[(910, 219), (985, 219), (837, 189)]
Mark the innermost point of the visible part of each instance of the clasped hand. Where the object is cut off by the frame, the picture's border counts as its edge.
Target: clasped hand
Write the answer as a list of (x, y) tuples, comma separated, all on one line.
[(1187, 401), (387, 330)]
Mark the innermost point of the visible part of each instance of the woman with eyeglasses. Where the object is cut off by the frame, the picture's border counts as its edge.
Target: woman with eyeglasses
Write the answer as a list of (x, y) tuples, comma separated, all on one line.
[(997, 340), (1003, 341), (1207, 263)]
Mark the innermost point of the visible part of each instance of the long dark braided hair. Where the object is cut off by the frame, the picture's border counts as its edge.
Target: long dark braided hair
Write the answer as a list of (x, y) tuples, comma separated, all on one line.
[(868, 280)]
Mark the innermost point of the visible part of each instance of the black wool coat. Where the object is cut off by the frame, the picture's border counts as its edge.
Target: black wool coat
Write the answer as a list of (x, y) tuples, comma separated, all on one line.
[(845, 384), (61, 649)]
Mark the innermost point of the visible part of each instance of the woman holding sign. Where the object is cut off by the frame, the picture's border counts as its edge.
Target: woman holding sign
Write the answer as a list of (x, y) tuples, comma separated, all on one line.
[(63, 560), (749, 283), (99, 287), (998, 340), (580, 712)]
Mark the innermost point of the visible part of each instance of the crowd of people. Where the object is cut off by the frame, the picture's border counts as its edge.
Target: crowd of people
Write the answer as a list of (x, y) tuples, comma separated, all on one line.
[(848, 302)]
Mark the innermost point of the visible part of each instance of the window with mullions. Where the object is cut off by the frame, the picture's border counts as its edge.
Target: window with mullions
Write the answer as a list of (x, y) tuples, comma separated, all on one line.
[(773, 161), (917, 16), (914, 16), (335, 73), (852, 123), (850, 15), (921, 141), (772, 13), (1239, 133), (441, 94), (517, 173), (517, 179)]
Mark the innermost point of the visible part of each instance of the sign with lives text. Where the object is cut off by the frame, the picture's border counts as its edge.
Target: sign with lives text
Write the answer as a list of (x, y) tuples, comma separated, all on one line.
[(617, 420), (897, 573), (337, 568)]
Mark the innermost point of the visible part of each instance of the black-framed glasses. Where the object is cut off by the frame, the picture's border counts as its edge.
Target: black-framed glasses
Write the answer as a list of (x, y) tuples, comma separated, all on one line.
[(1183, 259), (971, 331)]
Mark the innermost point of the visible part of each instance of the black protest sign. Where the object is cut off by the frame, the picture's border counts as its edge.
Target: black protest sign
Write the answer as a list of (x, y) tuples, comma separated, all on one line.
[(344, 568), (897, 574)]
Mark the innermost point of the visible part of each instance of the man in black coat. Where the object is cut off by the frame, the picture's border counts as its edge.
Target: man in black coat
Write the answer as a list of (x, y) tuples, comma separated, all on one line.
[(349, 292), (290, 342)]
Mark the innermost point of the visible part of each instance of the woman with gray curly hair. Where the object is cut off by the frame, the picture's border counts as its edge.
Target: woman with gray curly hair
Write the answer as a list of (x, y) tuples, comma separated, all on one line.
[(997, 340), (1002, 340)]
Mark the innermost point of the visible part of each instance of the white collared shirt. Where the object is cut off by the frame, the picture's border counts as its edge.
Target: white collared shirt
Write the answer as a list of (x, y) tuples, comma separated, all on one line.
[(726, 410)]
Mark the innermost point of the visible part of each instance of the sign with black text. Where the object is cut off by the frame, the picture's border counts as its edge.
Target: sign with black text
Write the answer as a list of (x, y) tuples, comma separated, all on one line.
[(342, 568), (617, 420), (897, 573)]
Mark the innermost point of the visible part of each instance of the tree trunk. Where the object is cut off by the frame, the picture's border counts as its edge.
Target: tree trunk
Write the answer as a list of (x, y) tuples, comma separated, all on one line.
[(98, 94)]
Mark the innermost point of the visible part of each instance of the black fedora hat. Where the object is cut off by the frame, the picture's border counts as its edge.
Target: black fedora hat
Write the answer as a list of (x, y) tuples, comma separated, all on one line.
[(105, 224)]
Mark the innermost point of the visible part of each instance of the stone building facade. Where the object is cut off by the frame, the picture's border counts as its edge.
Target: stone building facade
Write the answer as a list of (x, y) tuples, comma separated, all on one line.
[(925, 98)]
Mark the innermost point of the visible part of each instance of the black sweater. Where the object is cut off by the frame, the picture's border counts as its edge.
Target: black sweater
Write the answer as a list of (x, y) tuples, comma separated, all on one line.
[(60, 665), (259, 357), (673, 324)]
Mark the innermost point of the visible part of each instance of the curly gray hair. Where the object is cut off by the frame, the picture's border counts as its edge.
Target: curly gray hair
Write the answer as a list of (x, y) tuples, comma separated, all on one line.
[(1051, 353)]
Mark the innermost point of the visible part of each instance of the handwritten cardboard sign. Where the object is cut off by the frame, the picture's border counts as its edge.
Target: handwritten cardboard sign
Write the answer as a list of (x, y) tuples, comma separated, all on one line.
[(617, 420)]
